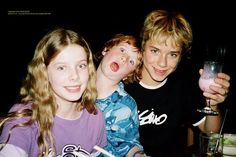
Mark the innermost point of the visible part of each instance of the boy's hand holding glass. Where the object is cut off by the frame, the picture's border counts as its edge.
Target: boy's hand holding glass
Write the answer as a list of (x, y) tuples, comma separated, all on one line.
[(210, 71)]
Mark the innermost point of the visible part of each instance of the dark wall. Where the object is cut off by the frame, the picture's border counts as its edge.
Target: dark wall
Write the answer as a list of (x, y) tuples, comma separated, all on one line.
[(212, 22)]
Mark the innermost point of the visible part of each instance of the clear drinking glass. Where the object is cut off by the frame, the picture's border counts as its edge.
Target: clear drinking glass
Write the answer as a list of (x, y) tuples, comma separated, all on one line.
[(210, 71), (210, 144)]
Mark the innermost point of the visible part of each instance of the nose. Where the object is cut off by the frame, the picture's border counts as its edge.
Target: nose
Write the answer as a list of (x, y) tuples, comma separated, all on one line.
[(124, 58), (74, 75), (162, 61)]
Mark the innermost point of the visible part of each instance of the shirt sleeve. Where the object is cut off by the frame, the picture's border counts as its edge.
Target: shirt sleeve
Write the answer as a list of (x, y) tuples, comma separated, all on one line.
[(123, 133), (20, 137), (12, 150)]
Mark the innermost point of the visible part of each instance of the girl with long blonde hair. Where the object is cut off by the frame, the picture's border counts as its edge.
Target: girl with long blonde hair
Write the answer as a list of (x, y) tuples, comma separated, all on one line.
[(56, 114)]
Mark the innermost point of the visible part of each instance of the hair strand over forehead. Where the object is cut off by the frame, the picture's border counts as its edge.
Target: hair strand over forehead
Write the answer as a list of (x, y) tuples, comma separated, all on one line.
[(161, 23)]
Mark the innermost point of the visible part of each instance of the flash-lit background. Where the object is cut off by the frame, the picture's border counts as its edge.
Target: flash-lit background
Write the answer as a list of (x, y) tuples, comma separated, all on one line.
[(212, 23)]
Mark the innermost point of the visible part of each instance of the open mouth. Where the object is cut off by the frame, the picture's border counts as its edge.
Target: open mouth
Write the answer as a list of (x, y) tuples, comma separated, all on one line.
[(114, 66)]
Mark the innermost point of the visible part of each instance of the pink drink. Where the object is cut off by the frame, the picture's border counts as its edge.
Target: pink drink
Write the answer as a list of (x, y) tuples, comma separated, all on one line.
[(205, 83), (207, 79)]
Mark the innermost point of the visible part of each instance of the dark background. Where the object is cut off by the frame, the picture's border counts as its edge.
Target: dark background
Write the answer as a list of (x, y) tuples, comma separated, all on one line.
[(25, 24)]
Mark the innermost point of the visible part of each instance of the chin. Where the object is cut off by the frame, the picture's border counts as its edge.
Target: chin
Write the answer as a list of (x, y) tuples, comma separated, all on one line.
[(159, 78), (74, 98)]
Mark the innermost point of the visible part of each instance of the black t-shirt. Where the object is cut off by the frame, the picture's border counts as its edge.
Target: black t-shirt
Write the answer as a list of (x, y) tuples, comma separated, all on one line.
[(164, 114)]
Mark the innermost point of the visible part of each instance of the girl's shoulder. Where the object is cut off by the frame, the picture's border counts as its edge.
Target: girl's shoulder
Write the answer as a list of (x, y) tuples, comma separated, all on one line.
[(20, 106), (98, 115), (19, 109)]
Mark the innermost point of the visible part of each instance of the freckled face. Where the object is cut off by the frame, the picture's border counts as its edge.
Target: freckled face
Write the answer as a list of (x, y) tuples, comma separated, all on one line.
[(68, 74), (119, 61), (160, 60)]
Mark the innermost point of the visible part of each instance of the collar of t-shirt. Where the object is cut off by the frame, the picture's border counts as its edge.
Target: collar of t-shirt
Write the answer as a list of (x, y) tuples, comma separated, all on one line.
[(152, 87)]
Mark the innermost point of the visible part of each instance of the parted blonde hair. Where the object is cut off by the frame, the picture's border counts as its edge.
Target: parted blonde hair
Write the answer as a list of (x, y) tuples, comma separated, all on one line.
[(163, 24), (36, 88)]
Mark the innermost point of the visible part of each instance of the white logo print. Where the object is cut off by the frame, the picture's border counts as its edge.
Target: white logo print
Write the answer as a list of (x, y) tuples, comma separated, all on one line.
[(151, 118), (71, 151)]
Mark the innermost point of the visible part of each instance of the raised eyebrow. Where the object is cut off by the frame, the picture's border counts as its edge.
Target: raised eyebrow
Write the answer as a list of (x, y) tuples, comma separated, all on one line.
[(122, 47), (125, 45)]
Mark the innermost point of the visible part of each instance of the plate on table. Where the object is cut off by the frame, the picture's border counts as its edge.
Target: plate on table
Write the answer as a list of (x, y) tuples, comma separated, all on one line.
[(229, 145)]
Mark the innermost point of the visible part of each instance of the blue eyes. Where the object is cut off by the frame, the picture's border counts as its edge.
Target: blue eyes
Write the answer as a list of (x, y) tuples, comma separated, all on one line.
[(122, 49), (83, 66), (131, 62), (60, 68), (63, 68)]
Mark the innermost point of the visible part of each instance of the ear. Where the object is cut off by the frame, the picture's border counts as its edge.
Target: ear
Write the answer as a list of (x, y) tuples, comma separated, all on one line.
[(104, 51)]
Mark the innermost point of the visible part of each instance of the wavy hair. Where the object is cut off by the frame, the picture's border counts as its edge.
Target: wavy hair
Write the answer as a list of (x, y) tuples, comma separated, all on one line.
[(36, 88), (167, 24), (121, 38)]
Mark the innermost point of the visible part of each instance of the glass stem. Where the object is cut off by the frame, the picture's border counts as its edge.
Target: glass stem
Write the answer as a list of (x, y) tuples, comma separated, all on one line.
[(208, 101)]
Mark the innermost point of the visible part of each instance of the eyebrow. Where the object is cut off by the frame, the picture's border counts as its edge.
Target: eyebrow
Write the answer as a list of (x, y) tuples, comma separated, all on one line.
[(66, 62), (175, 52), (154, 47)]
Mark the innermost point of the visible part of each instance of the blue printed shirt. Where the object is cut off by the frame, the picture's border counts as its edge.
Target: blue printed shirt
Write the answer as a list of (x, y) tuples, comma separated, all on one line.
[(121, 116)]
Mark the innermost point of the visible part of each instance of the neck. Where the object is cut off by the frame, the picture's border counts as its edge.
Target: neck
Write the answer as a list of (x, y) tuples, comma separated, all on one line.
[(69, 111), (105, 85), (65, 105)]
